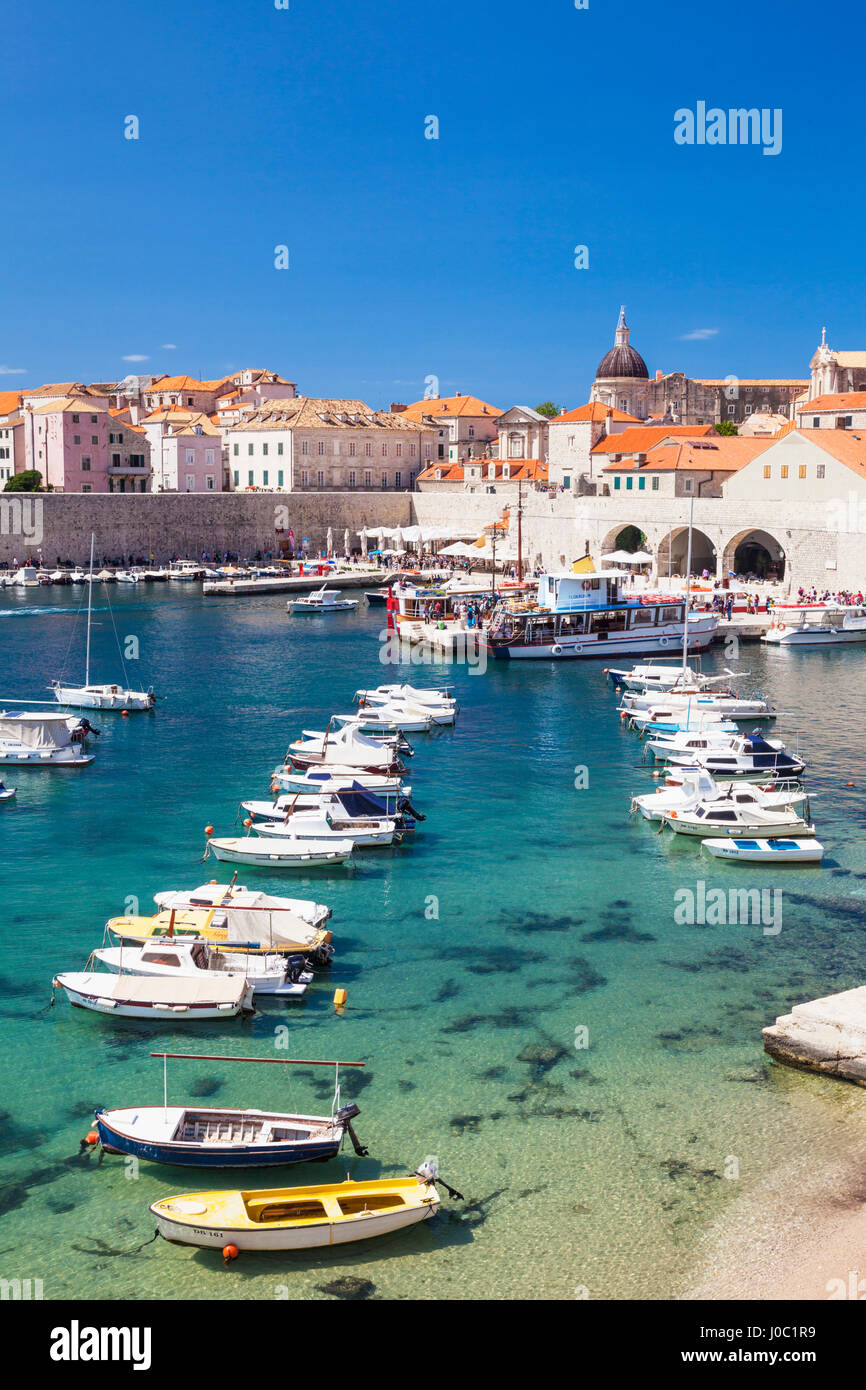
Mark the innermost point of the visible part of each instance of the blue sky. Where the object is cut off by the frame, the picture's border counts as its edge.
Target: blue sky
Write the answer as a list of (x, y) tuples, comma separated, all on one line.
[(412, 257)]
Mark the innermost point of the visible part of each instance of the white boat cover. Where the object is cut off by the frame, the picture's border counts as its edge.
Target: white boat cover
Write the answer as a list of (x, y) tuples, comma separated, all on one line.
[(36, 730), (156, 989), (253, 919)]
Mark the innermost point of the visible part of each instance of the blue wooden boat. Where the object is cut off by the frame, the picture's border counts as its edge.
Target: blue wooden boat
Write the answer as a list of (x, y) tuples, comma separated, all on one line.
[(195, 1136)]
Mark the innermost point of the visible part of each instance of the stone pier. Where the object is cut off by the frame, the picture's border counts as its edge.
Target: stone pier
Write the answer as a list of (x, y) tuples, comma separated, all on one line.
[(826, 1035)]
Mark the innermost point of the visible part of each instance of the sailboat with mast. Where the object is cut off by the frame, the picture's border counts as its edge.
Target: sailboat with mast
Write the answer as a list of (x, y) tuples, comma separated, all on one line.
[(93, 696)]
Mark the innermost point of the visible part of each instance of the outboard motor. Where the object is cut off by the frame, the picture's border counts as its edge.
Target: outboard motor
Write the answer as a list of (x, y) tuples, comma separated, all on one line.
[(295, 969), (345, 1115)]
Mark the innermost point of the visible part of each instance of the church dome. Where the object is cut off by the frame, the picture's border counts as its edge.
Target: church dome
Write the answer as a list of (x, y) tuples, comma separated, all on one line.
[(623, 360)]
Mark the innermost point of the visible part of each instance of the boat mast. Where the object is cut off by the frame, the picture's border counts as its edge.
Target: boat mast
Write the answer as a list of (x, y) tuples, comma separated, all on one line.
[(89, 608), (688, 584)]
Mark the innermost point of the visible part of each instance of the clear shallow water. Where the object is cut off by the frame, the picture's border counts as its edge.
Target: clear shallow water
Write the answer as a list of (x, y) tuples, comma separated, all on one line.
[(601, 1167)]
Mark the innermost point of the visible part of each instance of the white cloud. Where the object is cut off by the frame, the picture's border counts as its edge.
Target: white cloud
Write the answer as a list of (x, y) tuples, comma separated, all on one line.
[(698, 335), (168, 347), (136, 357), (13, 371)]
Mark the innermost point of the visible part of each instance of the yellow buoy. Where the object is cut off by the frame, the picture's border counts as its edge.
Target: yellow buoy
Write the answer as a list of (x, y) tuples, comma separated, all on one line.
[(340, 997)]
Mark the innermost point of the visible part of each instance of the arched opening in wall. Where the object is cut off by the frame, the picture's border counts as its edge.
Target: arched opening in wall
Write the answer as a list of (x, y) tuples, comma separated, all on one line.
[(755, 555), (672, 553), (630, 538)]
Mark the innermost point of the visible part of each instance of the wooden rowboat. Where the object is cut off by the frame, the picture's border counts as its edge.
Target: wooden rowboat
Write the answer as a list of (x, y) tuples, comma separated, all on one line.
[(296, 1218)]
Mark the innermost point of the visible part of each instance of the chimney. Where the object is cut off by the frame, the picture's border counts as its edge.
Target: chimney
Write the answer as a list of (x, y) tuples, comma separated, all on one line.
[(659, 374), (562, 410), (134, 413)]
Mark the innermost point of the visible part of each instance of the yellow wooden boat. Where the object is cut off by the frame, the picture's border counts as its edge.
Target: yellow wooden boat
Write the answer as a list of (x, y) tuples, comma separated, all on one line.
[(292, 934), (297, 1218)]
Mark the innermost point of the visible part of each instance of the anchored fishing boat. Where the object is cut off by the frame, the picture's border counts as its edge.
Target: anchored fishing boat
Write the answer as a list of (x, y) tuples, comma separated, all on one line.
[(346, 747), (330, 826), (699, 701), (181, 999), (788, 851), (42, 740), (352, 803), (194, 1136), (248, 922), (586, 615), (336, 779), (229, 898), (728, 818), (298, 1218), (698, 786), (404, 702), (283, 853), (272, 974), (747, 755)]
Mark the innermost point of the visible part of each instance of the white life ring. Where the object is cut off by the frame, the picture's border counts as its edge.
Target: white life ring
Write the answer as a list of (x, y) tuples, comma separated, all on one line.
[(556, 650), (663, 641), (586, 586)]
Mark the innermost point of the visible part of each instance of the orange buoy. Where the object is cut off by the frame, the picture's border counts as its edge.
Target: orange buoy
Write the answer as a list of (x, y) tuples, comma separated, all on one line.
[(230, 1252), (340, 997), (125, 714), (849, 784), (208, 830), (247, 823)]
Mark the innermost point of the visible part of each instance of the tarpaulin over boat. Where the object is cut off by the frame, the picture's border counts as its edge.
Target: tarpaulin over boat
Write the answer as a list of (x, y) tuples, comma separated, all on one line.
[(36, 730), (261, 918)]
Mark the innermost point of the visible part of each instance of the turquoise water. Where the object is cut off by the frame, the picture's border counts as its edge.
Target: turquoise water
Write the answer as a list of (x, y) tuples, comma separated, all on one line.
[(597, 1168)]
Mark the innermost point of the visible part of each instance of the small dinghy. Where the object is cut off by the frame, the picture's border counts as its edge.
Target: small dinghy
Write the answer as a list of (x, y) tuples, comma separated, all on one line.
[(6, 793), (787, 851), (196, 1136), (271, 974), (283, 853), (322, 600), (297, 1218), (181, 999)]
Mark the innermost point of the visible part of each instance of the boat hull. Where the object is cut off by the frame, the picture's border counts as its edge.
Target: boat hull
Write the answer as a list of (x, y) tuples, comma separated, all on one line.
[(189, 1155), (240, 852), (176, 1013), (759, 851), (629, 644), (81, 698)]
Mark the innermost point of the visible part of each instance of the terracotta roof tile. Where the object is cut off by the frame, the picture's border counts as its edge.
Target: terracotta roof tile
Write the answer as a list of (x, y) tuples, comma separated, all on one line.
[(640, 439), (441, 406)]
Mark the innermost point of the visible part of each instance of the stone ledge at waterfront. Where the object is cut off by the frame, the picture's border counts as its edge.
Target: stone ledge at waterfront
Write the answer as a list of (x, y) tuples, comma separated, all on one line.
[(825, 1035)]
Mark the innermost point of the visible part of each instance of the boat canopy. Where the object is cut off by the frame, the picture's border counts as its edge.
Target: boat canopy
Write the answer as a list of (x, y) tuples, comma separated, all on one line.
[(565, 593), (254, 916), (37, 730)]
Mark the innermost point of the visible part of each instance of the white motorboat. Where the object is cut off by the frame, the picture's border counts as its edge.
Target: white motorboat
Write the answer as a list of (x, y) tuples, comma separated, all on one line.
[(6, 793), (25, 577), (351, 801), (282, 853), (336, 778), (747, 755), (652, 675), (41, 740), (395, 718), (346, 747), (827, 627), (403, 701), (61, 577), (725, 818), (77, 575), (126, 577), (263, 910), (102, 697), (185, 571), (181, 999), (322, 600), (683, 741), (698, 786), (786, 851), (696, 702), (328, 826), (266, 973), (659, 719)]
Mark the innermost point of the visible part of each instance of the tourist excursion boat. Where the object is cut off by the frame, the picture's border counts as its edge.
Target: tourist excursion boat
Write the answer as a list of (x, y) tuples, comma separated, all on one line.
[(297, 1218), (89, 696), (697, 786), (251, 922), (724, 818), (788, 851), (272, 974), (181, 999), (830, 626), (584, 615), (322, 600), (42, 740), (283, 853), (195, 1136)]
